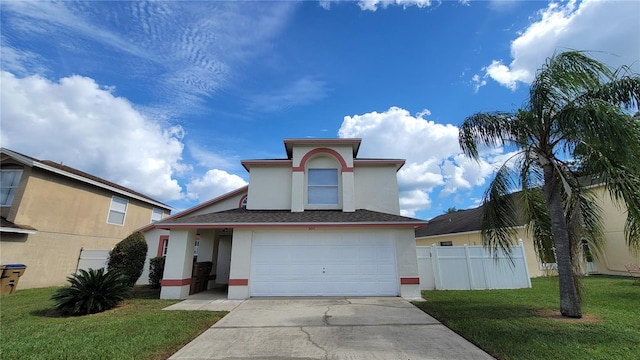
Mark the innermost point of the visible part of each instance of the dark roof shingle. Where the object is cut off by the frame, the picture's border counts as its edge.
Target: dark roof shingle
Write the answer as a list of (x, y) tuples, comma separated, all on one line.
[(244, 216)]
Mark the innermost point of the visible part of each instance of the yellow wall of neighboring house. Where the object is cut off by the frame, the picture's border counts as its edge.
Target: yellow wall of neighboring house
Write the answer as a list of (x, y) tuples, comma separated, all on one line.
[(615, 252), (68, 215)]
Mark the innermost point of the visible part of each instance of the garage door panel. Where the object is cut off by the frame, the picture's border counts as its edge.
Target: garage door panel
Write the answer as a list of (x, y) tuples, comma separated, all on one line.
[(313, 263)]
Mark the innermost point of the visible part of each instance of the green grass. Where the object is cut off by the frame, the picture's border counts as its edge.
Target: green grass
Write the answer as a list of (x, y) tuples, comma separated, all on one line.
[(508, 323), (137, 329)]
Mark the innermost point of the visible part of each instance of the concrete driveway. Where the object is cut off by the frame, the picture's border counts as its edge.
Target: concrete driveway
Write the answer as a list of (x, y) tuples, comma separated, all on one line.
[(329, 328)]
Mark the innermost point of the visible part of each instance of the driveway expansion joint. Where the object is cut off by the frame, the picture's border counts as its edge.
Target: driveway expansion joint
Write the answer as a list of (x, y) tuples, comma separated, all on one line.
[(330, 325)]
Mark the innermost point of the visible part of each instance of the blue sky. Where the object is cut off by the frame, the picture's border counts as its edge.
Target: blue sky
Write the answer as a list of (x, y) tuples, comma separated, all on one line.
[(168, 97)]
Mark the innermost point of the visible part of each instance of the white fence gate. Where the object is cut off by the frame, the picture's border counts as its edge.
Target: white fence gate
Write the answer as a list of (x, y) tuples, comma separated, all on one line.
[(471, 268), (94, 259)]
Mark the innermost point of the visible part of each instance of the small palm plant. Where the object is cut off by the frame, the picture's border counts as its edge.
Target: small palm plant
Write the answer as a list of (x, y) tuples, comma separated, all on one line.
[(91, 292)]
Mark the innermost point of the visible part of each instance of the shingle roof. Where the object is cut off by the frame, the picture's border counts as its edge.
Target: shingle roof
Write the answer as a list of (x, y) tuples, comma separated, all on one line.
[(460, 221), (450, 223), (242, 216)]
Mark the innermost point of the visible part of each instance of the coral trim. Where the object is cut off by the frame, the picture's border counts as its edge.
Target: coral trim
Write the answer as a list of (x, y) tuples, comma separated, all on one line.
[(180, 282), (410, 281), (332, 152), (238, 282)]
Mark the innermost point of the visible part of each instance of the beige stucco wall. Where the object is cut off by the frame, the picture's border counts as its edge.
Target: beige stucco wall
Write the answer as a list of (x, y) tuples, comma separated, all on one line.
[(270, 188), (376, 188), (68, 215), (474, 238), (232, 202)]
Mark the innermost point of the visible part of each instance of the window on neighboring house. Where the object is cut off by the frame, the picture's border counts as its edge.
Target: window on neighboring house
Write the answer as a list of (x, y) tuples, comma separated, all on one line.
[(156, 215), (9, 180), (446, 243), (322, 187), (117, 210)]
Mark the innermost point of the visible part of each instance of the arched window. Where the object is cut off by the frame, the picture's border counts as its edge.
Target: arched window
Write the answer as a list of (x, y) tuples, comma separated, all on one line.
[(323, 182)]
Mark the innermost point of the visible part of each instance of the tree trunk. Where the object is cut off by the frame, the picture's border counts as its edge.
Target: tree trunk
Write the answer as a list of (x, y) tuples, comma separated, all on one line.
[(569, 299)]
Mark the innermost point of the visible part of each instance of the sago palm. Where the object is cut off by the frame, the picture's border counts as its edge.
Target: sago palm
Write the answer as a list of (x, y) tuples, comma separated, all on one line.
[(91, 292), (577, 124)]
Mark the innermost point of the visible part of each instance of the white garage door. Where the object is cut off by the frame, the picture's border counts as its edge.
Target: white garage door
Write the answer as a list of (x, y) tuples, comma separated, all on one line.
[(323, 263)]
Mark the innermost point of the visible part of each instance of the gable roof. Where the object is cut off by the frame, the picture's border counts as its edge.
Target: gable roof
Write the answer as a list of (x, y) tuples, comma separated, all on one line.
[(82, 176), (196, 208), (244, 218)]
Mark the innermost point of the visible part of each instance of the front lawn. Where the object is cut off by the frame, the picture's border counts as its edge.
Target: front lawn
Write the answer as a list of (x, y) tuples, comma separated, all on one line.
[(137, 329), (524, 323)]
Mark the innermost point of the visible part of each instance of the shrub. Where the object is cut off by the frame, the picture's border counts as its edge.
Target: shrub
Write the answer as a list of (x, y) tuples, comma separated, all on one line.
[(156, 270), (91, 292), (128, 257)]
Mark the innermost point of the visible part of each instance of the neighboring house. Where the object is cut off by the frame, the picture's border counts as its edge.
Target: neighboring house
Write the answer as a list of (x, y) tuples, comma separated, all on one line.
[(320, 222), (50, 211), (463, 227)]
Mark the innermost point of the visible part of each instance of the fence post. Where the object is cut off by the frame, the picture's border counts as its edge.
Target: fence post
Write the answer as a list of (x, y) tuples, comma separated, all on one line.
[(524, 259), (435, 265), (468, 261)]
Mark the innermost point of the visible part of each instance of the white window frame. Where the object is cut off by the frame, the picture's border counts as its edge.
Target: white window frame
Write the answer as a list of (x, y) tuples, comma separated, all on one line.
[(336, 186), (155, 211), (13, 187), (117, 210)]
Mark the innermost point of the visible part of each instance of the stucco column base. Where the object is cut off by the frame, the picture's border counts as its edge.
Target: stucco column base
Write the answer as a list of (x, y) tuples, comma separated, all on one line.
[(238, 292), (410, 292), (174, 292)]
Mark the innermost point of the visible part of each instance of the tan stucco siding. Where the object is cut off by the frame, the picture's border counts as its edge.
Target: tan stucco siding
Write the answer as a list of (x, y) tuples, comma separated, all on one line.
[(474, 238), (55, 204), (376, 188), (49, 257), (68, 215)]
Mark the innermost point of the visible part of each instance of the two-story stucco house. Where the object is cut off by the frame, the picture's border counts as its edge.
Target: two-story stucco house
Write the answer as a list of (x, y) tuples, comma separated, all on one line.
[(320, 222), (50, 211)]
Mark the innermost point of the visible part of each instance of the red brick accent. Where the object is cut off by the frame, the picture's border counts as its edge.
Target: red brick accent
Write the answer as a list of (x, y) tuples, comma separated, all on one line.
[(410, 281), (176, 282), (238, 282)]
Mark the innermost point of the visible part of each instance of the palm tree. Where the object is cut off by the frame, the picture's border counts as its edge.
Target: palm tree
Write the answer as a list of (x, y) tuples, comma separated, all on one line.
[(577, 121)]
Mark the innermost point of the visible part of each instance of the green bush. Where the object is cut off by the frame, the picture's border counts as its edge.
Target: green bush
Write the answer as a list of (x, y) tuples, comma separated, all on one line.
[(128, 257), (91, 292), (156, 269)]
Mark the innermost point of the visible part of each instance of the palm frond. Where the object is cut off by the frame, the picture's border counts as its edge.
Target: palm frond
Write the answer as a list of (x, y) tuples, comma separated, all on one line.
[(485, 129), (499, 215)]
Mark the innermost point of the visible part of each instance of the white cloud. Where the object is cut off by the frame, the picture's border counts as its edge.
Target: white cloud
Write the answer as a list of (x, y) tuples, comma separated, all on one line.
[(77, 122), (433, 157), (373, 5), (573, 26), (214, 183)]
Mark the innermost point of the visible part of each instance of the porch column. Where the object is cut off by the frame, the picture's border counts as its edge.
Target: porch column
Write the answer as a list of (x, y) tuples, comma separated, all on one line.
[(240, 264), (407, 264), (176, 281)]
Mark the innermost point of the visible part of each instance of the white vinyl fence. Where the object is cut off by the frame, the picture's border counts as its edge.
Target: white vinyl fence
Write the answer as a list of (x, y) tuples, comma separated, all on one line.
[(471, 268), (94, 259)]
